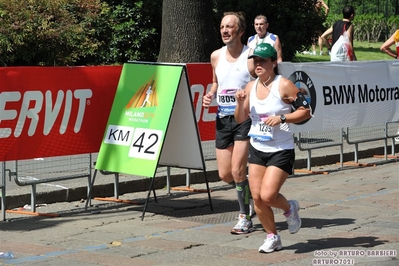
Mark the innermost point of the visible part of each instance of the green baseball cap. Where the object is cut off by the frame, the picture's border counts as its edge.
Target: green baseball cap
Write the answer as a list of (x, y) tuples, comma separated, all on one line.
[(264, 50)]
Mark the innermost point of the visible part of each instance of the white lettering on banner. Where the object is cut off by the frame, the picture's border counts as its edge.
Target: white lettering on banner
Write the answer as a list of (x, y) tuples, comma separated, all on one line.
[(32, 104), (7, 114), (206, 115), (346, 94), (134, 114)]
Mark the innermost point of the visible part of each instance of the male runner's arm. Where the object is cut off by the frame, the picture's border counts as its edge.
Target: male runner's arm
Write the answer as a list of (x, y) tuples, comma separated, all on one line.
[(207, 99)]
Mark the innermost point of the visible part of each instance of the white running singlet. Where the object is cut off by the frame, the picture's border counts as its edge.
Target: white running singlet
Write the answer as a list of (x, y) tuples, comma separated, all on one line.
[(254, 40), (231, 78), (263, 137)]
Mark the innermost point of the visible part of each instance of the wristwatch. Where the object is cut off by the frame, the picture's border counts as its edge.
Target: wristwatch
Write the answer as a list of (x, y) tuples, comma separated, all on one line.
[(282, 118)]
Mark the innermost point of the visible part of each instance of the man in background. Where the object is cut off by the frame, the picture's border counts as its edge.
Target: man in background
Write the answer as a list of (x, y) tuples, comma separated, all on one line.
[(262, 36)]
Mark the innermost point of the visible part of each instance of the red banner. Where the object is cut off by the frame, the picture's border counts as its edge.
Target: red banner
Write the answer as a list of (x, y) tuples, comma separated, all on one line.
[(200, 80), (56, 111)]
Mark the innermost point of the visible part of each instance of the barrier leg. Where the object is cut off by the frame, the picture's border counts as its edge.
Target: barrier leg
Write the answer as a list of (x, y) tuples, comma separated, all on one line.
[(116, 190), (309, 163), (3, 191), (33, 207), (188, 188)]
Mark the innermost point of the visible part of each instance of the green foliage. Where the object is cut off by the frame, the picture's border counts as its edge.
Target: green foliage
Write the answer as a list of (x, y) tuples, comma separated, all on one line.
[(376, 7), (134, 31), (48, 32), (392, 24), (94, 32), (370, 27)]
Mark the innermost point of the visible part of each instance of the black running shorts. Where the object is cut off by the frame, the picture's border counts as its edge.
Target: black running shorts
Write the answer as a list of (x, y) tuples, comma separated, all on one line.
[(283, 159), (228, 131)]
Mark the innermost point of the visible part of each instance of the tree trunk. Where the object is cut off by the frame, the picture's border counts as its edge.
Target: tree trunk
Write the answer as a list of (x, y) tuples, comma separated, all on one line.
[(187, 31)]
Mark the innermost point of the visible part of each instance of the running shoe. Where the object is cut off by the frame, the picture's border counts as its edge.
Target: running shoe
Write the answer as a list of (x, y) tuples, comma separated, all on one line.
[(244, 226), (293, 220), (271, 244)]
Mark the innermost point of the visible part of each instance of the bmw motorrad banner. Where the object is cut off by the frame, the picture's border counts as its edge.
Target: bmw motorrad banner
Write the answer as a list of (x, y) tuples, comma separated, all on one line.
[(345, 94)]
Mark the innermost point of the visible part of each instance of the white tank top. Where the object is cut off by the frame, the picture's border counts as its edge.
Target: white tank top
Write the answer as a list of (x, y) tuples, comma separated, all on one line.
[(231, 77), (263, 137), (254, 40)]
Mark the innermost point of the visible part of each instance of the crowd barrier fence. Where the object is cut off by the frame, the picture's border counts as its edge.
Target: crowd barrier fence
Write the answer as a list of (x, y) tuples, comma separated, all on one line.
[(308, 141), (53, 169), (36, 171), (360, 134)]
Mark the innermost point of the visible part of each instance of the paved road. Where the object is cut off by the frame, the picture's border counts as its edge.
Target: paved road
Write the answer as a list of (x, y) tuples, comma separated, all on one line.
[(351, 213)]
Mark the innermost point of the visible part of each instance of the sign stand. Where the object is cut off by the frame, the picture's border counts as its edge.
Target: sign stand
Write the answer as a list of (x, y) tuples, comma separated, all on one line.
[(152, 123)]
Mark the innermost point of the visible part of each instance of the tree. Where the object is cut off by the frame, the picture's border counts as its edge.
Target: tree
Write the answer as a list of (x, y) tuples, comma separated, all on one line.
[(187, 31)]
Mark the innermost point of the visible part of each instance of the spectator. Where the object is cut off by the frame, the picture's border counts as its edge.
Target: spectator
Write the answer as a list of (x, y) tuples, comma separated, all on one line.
[(338, 29), (320, 4), (386, 46), (262, 36)]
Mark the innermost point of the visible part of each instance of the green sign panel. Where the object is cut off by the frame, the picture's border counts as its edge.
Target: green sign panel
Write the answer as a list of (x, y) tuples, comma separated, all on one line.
[(139, 118)]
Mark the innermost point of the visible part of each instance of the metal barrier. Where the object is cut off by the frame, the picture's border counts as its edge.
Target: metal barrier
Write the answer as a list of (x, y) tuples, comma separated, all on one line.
[(46, 170), (116, 189), (3, 189), (208, 150), (361, 134), (37, 171), (308, 141)]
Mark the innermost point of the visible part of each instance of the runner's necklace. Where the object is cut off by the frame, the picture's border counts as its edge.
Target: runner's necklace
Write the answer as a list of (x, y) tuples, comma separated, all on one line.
[(264, 83)]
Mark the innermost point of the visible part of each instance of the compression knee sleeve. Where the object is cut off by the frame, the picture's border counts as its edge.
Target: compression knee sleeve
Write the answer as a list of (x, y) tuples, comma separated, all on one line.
[(243, 195)]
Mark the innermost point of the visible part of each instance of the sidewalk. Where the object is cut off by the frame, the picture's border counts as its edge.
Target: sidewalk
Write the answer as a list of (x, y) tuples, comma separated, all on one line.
[(352, 212)]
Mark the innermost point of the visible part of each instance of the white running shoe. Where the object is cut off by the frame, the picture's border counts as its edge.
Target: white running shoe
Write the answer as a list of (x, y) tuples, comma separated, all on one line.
[(294, 221), (271, 244), (244, 226)]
